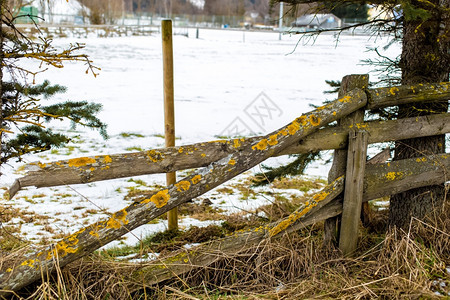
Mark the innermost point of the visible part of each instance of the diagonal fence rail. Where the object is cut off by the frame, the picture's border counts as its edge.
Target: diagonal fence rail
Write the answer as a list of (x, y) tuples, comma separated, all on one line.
[(27, 267)]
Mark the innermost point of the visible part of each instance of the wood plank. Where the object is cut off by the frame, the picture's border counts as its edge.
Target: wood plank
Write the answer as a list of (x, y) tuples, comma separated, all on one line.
[(397, 95), (353, 195), (169, 107), (349, 82)]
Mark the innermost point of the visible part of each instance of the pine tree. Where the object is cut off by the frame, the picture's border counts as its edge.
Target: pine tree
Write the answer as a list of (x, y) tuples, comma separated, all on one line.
[(424, 30), (22, 111)]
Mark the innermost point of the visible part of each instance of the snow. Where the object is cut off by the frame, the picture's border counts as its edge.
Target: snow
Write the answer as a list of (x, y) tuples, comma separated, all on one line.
[(219, 78)]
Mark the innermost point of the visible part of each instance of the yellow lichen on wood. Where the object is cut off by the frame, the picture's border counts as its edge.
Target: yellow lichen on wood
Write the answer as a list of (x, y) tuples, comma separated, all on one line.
[(80, 162), (394, 175), (183, 186), (293, 127), (361, 125), (118, 219), (41, 165), (302, 120), (345, 99), (298, 214), (155, 156), (107, 159), (189, 149), (29, 263), (421, 159), (160, 199), (232, 162), (393, 90), (320, 196), (61, 249), (96, 229), (217, 141), (236, 143), (273, 140), (94, 233), (196, 179), (203, 155), (261, 145), (314, 120), (66, 246), (180, 150), (289, 221)]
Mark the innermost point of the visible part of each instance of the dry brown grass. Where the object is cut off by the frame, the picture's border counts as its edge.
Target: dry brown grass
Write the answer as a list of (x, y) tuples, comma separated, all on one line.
[(396, 265)]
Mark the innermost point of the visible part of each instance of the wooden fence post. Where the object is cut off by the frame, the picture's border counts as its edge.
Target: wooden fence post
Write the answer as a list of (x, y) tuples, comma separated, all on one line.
[(353, 193), (169, 107), (348, 83)]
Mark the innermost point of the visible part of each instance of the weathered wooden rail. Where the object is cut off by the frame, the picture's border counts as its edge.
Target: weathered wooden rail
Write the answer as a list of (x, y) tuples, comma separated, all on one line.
[(224, 160)]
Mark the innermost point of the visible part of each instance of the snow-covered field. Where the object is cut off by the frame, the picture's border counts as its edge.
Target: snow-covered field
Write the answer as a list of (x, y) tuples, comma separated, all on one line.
[(226, 83)]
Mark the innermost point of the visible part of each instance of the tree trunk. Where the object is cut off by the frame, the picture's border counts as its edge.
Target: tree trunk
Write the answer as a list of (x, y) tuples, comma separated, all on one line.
[(424, 59), (1, 81)]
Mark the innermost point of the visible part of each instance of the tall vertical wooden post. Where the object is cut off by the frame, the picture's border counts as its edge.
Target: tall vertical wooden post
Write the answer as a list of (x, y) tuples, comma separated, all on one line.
[(169, 108), (353, 194), (348, 83), (280, 21)]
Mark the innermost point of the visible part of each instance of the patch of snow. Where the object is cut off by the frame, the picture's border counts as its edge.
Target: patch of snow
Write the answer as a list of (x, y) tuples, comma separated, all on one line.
[(148, 257), (189, 246)]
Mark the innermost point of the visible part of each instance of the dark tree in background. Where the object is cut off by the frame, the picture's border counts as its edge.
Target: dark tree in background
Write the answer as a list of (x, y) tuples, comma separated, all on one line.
[(424, 30), (425, 59)]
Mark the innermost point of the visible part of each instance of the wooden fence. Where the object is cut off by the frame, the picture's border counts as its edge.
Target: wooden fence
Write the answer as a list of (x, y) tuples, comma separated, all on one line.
[(220, 161)]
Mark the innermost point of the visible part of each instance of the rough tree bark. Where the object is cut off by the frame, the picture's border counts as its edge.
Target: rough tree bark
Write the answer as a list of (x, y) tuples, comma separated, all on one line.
[(425, 58), (27, 267), (1, 80)]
